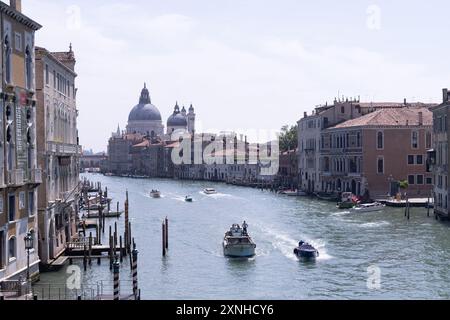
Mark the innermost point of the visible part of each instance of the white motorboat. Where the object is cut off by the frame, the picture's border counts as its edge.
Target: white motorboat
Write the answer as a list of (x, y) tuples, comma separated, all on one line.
[(155, 194), (293, 193), (210, 191), (237, 243), (368, 207)]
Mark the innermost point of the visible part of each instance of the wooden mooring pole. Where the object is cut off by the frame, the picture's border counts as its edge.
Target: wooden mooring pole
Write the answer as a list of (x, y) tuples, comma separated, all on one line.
[(134, 271), (116, 279), (167, 234), (163, 240)]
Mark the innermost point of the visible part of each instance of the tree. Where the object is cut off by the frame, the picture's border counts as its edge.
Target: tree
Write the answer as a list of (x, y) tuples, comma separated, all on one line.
[(288, 138)]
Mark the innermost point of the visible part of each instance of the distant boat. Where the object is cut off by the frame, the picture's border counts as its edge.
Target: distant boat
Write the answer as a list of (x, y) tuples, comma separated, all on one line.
[(210, 191), (327, 196), (155, 194), (306, 251), (369, 207), (238, 244), (188, 199), (293, 193)]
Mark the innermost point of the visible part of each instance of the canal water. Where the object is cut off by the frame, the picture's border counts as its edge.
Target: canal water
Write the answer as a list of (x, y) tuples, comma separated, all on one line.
[(411, 257)]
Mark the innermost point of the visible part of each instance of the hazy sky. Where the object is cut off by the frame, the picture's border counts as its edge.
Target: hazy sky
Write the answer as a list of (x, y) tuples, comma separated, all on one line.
[(246, 64)]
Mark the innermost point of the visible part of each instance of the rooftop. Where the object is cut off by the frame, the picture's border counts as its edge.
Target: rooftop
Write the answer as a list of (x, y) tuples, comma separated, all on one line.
[(390, 117)]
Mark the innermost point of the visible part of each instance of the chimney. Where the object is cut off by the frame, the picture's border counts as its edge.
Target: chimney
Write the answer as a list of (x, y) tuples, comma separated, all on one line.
[(404, 101), (16, 5), (445, 95), (305, 114), (420, 118)]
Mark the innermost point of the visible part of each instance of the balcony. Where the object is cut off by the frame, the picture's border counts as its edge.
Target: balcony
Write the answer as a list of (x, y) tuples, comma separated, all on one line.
[(63, 149), (15, 178), (35, 176)]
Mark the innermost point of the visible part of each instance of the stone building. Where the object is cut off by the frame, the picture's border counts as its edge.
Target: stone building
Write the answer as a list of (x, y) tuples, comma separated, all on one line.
[(119, 156), (58, 151), (19, 174), (439, 156), (310, 128), (371, 154), (92, 162)]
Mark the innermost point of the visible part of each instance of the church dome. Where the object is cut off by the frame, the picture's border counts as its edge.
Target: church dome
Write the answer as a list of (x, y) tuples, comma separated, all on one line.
[(177, 119), (145, 110)]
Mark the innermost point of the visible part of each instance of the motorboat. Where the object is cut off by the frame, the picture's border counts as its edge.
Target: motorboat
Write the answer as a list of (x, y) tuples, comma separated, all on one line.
[(348, 201), (369, 207), (210, 191), (188, 199), (155, 194), (306, 251), (237, 243)]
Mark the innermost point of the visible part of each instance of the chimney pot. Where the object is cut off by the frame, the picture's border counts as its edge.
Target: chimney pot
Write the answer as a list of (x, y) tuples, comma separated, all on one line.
[(16, 5), (305, 114)]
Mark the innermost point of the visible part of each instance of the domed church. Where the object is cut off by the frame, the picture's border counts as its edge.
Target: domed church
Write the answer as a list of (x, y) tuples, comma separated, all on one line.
[(145, 118)]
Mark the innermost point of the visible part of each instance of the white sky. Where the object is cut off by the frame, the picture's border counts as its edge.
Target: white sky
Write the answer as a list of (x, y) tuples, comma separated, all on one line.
[(247, 64)]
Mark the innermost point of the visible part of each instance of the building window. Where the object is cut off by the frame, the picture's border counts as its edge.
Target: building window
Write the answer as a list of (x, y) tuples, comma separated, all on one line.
[(419, 159), (7, 48), (12, 246), (21, 200), (428, 140), (18, 41), (47, 80), (411, 179), (410, 159), (342, 109), (380, 165), (54, 79), (12, 208), (380, 140), (29, 67), (429, 180), (415, 140), (31, 203), (419, 179)]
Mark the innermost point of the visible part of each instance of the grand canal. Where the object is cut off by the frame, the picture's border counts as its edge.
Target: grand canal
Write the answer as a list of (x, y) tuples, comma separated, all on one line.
[(412, 256)]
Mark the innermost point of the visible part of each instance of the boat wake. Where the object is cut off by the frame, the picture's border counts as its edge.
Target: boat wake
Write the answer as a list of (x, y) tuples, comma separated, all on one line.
[(374, 224), (285, 244)]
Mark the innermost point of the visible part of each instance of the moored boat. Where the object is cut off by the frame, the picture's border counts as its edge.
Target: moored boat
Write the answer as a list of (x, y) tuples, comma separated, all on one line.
[(306, 251), (237, 243), (188, 199), (327, 196), (369, 207)]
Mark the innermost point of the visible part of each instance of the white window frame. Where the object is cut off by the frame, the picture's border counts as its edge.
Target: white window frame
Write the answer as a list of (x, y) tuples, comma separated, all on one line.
[(376, 140), (412, 139)]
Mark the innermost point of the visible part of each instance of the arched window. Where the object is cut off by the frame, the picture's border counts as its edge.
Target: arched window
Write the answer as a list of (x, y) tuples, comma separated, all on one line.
[(28, 68), (380, 140), (7, 50), (12, 247)]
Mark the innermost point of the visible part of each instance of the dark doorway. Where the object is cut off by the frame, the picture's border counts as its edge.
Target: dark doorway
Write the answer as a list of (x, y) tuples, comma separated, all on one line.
[(353, 186), (2, 249)]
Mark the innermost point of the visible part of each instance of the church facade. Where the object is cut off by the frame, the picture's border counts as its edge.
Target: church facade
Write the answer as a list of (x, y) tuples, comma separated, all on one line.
[(140, 149)]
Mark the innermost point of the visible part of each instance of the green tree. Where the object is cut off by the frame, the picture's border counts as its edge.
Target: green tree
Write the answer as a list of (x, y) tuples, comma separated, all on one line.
[(288, 138)]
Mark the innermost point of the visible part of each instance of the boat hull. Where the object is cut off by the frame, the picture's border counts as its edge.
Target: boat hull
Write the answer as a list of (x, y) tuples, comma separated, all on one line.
[(239, 251), (306, 254)]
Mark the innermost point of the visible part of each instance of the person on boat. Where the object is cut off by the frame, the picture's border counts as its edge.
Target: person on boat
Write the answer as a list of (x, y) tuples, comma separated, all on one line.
[(244, 227)]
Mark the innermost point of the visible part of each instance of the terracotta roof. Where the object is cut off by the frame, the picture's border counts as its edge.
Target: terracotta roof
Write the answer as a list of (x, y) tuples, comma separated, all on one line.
[(390, 117)]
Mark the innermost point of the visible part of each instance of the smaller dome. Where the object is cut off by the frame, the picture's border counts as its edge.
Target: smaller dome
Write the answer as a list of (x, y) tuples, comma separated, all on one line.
[(177, 119)]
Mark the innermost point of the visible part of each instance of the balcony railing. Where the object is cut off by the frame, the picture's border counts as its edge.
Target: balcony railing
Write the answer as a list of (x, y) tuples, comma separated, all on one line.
[(16, 177), (63, 148), (35, 176)]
